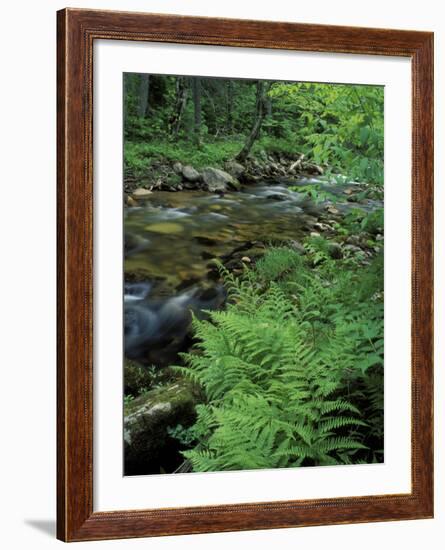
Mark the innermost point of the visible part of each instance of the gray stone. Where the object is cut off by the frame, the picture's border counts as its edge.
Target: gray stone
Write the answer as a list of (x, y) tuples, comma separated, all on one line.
[(190, 174), (235, 169), (177, 168), (141, 193), (218, 181), (146, 420)]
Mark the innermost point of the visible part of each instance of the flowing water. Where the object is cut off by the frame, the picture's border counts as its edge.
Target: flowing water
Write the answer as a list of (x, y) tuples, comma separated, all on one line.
[(174, 234), (170, 241)]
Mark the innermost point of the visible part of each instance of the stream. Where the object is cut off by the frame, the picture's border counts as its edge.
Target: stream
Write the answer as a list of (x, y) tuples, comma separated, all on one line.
[(172, 238)]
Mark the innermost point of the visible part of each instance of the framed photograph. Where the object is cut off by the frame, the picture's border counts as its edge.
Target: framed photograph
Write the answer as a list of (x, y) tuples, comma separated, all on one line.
[(245, 229)]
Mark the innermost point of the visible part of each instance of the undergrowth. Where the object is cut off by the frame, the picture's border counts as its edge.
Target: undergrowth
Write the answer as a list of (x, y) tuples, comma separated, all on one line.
[(140, 155), (292, 369)]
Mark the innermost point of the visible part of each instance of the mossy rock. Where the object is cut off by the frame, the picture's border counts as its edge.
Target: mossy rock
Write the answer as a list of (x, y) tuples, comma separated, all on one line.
[(148, 446)]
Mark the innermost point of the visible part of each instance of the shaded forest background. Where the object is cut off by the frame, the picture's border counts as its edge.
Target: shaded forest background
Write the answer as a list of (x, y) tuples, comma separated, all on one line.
[(206, 121)]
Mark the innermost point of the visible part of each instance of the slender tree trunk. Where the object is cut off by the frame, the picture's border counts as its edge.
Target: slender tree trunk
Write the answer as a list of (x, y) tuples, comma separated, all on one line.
[(144, 84), (180, 104), (196, 90), (229, 107), (147, 104), (269, 107), (210, 116), (125, 99), (260, 111)]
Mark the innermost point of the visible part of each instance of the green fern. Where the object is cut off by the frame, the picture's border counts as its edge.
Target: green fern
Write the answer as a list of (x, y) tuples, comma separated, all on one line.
[(284, 368)]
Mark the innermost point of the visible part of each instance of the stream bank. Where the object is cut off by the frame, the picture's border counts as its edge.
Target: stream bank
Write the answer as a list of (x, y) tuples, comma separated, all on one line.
[(174, 235)]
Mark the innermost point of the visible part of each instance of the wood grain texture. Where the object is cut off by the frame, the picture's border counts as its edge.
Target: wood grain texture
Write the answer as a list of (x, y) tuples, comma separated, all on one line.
[(77, 30)]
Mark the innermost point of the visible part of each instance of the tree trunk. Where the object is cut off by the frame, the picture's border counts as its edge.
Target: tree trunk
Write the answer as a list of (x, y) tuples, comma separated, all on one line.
[(260, 111), (210, 114), (180, 103), (147, 103), (196, 89), (230, 107), (269, 107), (144, 84), (126, 89)]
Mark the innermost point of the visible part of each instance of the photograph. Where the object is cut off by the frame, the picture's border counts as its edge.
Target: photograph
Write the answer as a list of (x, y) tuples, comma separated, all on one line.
[(245, 229), (253, 284)]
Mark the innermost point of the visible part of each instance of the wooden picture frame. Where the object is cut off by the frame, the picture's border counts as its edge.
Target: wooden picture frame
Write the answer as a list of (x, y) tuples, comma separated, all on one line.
[(77, 31)]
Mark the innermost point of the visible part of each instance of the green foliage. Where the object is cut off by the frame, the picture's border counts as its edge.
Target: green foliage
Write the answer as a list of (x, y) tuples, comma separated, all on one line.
[(277, 263), (141, 155), (315, 192), (338, 126), (138, 379), (292, 369), (359, 220), (184, 435), (128, 399), (318, 249)]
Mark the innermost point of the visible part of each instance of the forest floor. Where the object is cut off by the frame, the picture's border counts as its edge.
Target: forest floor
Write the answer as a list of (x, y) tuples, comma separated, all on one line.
[(161, 166)]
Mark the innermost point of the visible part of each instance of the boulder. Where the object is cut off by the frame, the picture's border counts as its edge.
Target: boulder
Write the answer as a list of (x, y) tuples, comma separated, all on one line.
[(235, 169), (190, 174), (148, 447), (218, 181), (141, 193), (177, 168), (129, 201)]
